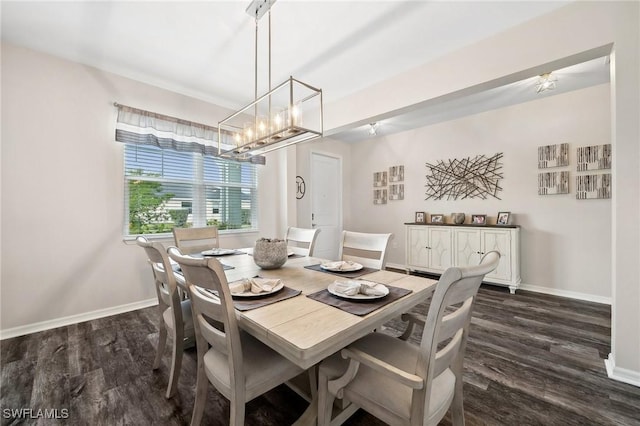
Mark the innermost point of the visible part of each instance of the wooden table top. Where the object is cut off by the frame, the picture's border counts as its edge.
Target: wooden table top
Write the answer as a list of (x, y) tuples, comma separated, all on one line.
[(306, 331)]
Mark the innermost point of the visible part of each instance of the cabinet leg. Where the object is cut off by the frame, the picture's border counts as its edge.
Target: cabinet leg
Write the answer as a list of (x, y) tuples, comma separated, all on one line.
[(512, 289)]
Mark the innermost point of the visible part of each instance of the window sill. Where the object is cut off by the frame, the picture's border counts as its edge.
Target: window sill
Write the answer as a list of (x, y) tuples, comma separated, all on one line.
[(168, 237)]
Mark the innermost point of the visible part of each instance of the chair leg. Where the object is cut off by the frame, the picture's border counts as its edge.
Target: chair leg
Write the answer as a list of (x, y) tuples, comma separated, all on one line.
[(237, 412), (162, 342), (202, 385), (176, 361), (457, 409), (325, 400)]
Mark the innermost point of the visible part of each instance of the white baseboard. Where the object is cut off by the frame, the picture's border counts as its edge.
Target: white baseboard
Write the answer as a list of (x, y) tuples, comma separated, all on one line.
[(621, 374), (74, 319), (565, 293), (545, 290)]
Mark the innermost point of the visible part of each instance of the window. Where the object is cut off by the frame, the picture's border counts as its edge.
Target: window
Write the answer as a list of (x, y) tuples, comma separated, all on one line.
[(165, 188)]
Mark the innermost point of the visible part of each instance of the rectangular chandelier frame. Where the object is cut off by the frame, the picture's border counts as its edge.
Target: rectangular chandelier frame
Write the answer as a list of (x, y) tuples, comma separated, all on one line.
[(290, 113)]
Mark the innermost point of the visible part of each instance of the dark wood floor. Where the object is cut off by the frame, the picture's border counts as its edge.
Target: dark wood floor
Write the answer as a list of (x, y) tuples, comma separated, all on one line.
[(532, 359)]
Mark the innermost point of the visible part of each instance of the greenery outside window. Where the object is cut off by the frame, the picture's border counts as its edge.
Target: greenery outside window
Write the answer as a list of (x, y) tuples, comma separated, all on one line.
[(166, 189), (174, 178)]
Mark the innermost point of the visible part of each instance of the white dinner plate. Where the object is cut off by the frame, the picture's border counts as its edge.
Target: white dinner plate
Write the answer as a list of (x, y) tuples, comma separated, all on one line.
[(381, 287), (247, 294), (341, 266), (218, 252)]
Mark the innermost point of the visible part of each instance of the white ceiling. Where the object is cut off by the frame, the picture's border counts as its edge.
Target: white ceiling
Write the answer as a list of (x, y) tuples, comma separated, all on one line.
[(205, 49)]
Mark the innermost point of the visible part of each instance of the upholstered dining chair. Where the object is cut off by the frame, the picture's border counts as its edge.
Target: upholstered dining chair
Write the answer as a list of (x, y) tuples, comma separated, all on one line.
[(239, 366), (367, 249), (402, 383), (301, 241), (175, 313), (195, 240)]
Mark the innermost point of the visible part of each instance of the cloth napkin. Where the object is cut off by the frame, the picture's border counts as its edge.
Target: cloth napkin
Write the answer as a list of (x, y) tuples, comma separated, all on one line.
[(353, 287), (339, 265), (256, 285)]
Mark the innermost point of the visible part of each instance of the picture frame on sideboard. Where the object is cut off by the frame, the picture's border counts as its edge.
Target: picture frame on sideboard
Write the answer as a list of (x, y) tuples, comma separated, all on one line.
[(478, 219), (420, 217), (437, 218), (503, 218)]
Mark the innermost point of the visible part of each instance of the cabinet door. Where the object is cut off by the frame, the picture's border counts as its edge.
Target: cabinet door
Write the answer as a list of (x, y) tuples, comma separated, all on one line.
[(499, 240), (417, 242), (467, 247), (439, 253)]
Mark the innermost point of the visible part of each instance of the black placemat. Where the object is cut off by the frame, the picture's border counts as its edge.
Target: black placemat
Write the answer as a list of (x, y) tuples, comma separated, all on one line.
[(360, 307), (350, 274), (246, 304)]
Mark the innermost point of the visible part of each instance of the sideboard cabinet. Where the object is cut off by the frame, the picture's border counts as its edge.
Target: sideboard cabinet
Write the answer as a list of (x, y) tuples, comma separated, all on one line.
[(433, 248)]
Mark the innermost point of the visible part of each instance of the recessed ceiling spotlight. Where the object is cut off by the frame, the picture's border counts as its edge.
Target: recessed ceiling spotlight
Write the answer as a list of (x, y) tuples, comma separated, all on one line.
[(546, 82)]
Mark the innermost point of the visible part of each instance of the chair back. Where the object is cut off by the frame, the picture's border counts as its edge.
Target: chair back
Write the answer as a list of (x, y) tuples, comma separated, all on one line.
[(301, 241), (211, 303), (195, 240), (445, 334), (165, 281), (367, 249)]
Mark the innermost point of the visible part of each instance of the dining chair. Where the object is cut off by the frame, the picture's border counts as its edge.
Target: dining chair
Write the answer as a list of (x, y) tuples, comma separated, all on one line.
[(175, 313), (195, 240), (367, 249), (301, 241), (402, 383), (239, 366)]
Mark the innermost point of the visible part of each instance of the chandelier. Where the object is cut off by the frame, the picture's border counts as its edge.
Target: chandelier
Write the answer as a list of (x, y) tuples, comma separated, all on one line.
[(287, 114)]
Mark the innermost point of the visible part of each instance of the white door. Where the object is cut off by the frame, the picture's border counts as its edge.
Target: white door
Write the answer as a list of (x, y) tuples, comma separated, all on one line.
[(326, 203)]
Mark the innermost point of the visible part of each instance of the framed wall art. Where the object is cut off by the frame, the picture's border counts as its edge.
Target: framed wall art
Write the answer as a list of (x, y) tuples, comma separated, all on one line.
[(396, 191), (396, 174), (553, 156), (597, 157), (589, 187), (379, 179), (551, 183), (380, 196)]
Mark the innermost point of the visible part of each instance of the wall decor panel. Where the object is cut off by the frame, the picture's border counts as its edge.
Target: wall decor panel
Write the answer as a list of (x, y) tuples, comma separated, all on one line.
[(596, 157), (477, 177), (552, 183), (593, 186), (553, 155)]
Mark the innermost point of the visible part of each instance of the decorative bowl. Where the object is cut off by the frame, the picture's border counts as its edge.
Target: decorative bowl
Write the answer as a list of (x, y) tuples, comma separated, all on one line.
[(270, 253)]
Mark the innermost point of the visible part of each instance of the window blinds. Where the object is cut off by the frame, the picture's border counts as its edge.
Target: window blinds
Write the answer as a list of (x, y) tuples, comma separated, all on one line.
[(171, 180)]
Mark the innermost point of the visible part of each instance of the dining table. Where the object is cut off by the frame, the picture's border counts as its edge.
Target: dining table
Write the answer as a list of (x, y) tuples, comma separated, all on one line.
[(306, 329)]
